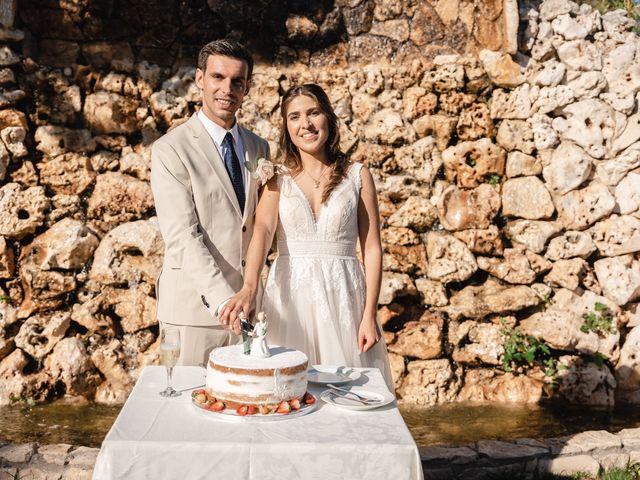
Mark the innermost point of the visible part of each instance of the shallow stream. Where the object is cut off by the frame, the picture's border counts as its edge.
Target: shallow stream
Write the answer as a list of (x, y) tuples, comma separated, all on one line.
[(453, 424)]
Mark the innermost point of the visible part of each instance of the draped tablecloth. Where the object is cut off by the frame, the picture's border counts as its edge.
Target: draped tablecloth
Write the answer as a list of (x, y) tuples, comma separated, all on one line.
[(169, 438)]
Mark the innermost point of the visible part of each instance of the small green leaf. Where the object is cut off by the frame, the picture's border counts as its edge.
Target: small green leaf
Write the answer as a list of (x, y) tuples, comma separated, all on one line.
[(601, 307), (493, 179)]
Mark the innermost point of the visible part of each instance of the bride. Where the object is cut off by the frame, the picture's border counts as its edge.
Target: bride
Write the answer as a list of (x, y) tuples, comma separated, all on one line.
[(317, 297)]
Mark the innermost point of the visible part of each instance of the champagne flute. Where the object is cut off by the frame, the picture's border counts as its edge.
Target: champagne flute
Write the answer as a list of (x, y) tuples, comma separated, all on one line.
[(169, 354)]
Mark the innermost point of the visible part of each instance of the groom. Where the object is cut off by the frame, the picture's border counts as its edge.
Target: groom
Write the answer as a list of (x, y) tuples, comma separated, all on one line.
[(205, 200)]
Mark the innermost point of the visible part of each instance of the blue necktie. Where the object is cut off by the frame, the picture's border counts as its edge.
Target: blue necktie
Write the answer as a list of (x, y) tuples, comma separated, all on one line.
[(232, 164)]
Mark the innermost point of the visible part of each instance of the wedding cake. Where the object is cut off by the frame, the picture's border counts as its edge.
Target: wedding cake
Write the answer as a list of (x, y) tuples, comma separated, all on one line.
[(253, 377)]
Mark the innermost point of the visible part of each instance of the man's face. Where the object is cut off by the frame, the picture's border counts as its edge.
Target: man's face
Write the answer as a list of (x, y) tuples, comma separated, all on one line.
[(224, 84)]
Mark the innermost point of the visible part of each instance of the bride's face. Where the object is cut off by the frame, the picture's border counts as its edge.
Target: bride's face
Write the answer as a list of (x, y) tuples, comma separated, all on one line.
[(307, 125)]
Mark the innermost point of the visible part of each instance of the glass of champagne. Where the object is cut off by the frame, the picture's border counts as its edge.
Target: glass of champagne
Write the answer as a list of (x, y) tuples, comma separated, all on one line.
[(169, 354)]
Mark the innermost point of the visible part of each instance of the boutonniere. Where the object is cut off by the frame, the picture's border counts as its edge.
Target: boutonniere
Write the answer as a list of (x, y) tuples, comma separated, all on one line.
[(261, 169)]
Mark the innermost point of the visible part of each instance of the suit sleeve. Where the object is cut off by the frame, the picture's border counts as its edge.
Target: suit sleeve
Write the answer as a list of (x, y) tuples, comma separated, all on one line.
[(180, 226)]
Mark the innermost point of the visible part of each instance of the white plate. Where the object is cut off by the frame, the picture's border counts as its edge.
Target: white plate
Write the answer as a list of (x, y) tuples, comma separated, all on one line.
[(324, 374), (230, 415), (337, 400)]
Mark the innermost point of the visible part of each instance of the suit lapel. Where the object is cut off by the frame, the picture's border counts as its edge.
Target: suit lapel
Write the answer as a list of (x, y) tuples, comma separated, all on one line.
[(250, 154), (212, 157)]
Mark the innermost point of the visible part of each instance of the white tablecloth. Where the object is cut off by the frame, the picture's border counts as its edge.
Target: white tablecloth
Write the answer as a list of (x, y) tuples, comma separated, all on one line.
[(166, 438)]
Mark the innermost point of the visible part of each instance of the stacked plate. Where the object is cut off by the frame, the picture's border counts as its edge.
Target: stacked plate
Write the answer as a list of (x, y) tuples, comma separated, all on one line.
[(341, 394)]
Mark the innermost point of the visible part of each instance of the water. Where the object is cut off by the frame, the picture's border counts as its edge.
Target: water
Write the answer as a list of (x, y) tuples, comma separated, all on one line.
[(458, 424), (83, 425), (453, 424)]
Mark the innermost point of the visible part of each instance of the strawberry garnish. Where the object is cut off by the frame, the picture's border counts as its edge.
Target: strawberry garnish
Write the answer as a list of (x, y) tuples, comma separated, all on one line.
[(284, 407), (309, 399), (200, 398), (242, 410), (295, 404), (251, 410), (264, 409), (217, 406)]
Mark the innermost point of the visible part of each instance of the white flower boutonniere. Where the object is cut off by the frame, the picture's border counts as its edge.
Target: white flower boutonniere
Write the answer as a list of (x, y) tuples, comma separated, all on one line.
[(261, 169)]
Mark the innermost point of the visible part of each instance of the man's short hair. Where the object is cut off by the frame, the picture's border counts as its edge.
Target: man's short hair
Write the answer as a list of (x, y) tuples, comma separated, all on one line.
[(226, 48)]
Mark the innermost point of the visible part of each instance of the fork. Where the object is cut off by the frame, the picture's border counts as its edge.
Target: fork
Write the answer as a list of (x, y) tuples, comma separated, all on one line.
[(359, 397), (335, 394)]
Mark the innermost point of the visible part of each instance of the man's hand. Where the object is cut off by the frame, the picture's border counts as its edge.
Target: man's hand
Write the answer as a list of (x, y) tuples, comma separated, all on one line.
[(243, 301)]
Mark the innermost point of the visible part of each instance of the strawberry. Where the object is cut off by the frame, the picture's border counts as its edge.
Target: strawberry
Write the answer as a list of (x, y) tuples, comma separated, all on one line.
[(242, 410), (284, 407), (309, 399), (264, 410), (251, 410), (217, 406), (295, 404), (200, 399)]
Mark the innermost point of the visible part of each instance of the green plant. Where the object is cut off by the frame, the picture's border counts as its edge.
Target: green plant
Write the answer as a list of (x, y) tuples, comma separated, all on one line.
[(599, 321), (598, 359), (630, 472), (525, 351), (16, 399), (604, 6), (493, 179)]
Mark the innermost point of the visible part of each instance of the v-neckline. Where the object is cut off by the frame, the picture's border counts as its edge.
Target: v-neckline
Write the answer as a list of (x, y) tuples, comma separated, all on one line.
[(315, 218)]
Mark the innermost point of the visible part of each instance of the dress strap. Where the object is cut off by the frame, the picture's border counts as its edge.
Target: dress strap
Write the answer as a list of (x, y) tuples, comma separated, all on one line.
[(354, 175)]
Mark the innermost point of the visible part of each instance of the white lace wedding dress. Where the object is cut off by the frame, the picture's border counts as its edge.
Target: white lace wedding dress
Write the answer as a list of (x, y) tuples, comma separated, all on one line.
[(315, 290)]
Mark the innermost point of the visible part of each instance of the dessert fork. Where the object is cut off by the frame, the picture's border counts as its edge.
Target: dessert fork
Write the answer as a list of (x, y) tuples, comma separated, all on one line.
[(360, 398), (334, 394)]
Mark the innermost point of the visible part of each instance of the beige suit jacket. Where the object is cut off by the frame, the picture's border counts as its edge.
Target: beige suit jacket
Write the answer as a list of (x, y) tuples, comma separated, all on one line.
[(205, 235)]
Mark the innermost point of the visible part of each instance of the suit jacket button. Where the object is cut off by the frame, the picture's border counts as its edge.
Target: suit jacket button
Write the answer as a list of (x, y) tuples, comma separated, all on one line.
[(244, 229), (243, 263), (204, 300)]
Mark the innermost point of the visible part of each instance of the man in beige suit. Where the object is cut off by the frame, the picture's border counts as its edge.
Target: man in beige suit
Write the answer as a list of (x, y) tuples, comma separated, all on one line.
[(205, 200)]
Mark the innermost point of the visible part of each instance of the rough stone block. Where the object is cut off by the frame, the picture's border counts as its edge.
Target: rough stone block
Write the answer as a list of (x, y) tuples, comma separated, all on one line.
[(54, 454), (455, 455), (569, 465), (584, 442), (83, 457), (19, 453), (504, 450)]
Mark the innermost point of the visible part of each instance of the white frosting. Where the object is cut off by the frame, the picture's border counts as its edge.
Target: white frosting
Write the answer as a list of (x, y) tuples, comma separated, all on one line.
[(233, 356), (268, 389)]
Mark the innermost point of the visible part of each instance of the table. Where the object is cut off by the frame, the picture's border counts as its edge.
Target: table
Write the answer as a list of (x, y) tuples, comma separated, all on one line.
[(166, 438)]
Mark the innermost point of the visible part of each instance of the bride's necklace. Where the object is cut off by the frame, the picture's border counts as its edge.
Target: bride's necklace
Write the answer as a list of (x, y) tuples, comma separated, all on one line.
[(316, 182)]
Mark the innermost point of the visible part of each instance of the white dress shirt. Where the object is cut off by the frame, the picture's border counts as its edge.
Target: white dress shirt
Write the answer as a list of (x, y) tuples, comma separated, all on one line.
[(217, 134)]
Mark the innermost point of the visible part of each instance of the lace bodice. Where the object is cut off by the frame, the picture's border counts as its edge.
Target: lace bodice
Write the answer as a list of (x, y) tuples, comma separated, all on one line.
[(333, 231)]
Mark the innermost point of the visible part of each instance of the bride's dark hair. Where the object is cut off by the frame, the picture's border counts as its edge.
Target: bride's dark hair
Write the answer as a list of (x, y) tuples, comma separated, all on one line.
[(338, 161)]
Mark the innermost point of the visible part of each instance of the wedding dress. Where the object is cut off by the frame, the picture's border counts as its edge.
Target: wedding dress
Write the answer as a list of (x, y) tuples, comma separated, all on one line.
[(315, 291)]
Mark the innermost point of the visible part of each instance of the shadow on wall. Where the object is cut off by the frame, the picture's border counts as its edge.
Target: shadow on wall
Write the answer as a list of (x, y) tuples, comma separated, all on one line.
[(322, 32)]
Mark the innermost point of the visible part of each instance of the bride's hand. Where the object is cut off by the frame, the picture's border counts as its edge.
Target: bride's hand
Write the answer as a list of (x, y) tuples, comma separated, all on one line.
[(368, 333), (243, 301)]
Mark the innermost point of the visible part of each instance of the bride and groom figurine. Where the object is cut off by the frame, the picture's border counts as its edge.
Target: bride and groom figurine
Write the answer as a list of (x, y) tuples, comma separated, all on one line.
[(255, 338)]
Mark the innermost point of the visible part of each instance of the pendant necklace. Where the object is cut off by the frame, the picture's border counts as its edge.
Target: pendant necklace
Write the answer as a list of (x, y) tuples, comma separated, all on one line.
[(316, 183)]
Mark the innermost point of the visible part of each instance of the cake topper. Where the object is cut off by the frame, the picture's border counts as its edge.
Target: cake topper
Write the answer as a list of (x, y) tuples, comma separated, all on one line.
[(259, 347), (247, 333)]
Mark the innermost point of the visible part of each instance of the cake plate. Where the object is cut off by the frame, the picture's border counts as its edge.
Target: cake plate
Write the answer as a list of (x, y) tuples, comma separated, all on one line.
[(230, 415)]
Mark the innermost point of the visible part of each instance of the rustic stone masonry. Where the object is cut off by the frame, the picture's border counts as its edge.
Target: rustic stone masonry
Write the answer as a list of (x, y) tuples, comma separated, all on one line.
[(46, 462), (586, 452), (508, 181)]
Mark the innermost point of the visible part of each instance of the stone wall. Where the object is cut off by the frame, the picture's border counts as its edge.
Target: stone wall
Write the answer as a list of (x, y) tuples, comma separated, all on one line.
[(508, 189), (586, 453), (47, 462)]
